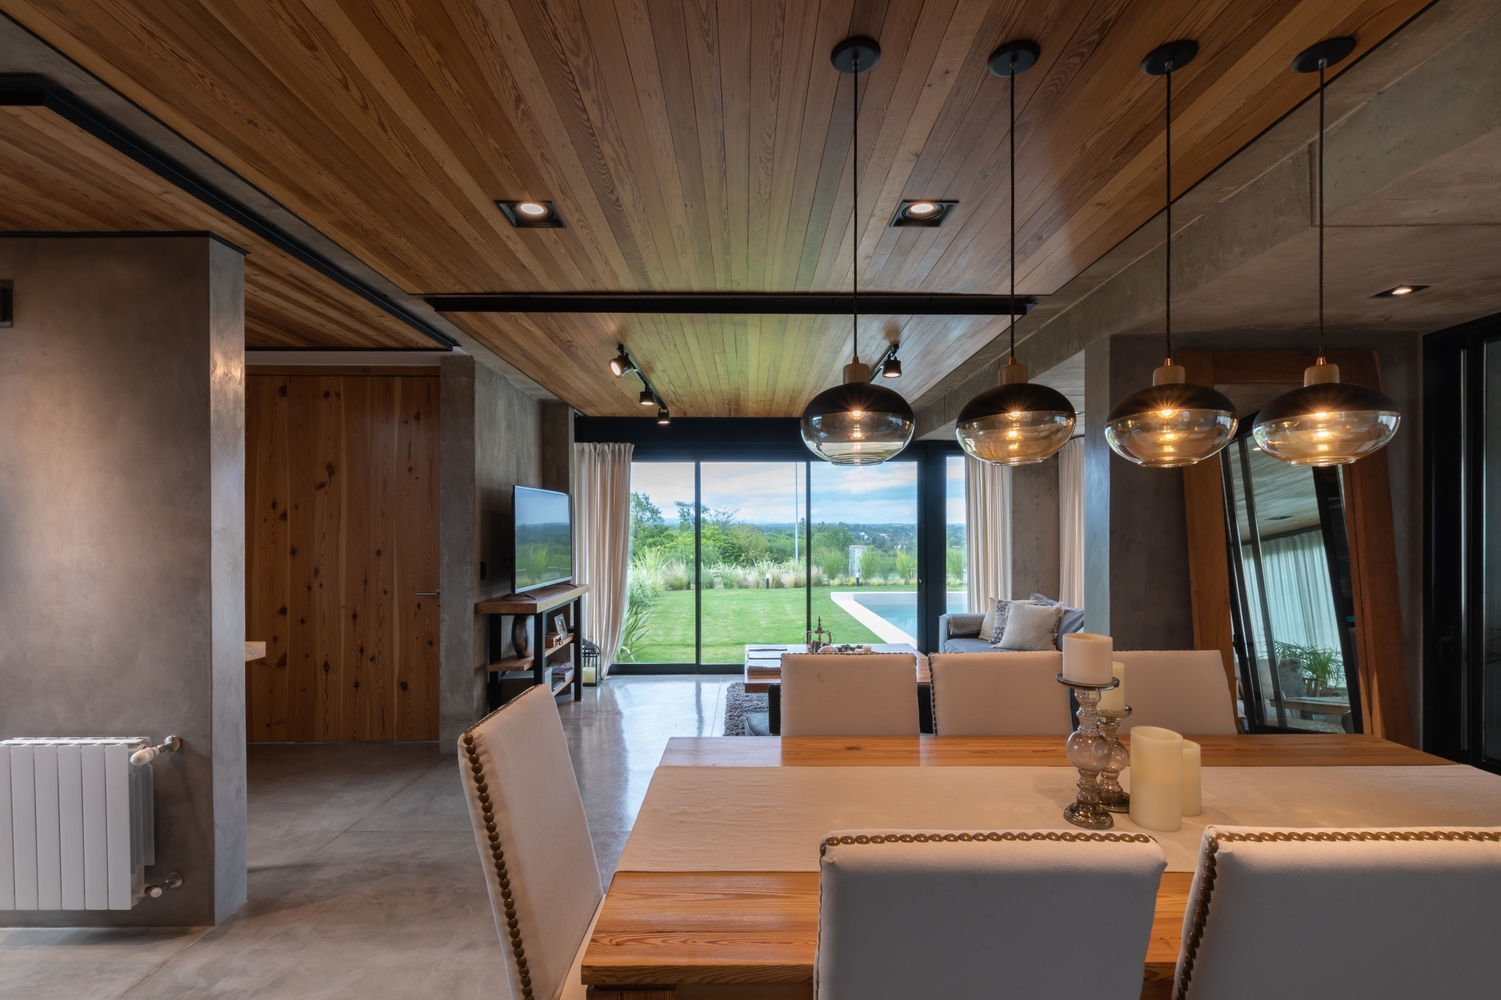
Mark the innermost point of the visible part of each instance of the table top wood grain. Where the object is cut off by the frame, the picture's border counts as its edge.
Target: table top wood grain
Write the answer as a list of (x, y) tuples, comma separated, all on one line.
[(760, 929)]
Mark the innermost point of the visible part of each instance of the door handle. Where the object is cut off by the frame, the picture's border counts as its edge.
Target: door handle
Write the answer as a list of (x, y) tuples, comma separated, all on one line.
[(433, 593)]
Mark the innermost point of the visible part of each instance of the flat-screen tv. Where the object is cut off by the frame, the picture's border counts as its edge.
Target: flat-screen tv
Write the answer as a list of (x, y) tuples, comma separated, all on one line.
[(543, 539)]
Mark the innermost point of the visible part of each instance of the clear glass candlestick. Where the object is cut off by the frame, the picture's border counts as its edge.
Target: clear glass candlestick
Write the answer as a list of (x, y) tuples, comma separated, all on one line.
[(1090, 753), (1112, 796)]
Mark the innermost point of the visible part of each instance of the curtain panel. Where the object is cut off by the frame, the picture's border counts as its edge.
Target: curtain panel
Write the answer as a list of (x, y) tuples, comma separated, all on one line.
[(1071, 523), (602, 510), (987, 506)]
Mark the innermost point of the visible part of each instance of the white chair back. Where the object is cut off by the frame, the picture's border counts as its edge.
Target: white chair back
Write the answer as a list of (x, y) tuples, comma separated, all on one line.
[(531, 830), (999, 694), (849, 695), (1016, 914), (1333, 914), (1184, 690)]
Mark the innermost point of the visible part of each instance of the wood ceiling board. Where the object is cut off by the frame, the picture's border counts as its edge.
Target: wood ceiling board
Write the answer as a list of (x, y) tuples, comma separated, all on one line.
[(693, 145), (56, 178)]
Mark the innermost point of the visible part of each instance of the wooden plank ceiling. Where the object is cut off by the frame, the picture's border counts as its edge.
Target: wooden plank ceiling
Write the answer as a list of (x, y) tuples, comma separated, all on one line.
[(702, 145), (57, 178)]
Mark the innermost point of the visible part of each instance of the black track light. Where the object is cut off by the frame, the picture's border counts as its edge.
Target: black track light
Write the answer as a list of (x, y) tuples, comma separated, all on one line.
[(646, 398), (892, 369), (663, 417), (620, 363)]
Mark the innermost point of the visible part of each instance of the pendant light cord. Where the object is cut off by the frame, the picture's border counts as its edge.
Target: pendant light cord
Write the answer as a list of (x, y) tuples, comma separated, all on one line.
[(1013, 208), (1168, 268), (855, 209), (1322, 63)]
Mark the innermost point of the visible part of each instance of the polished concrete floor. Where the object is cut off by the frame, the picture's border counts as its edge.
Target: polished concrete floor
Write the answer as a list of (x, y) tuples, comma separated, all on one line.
[(364, 879)]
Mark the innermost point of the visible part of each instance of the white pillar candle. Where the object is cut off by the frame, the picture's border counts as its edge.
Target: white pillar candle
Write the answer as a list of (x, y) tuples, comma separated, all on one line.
[(1193, 791), (1086, 658), (1156, 778), (1114, 700)]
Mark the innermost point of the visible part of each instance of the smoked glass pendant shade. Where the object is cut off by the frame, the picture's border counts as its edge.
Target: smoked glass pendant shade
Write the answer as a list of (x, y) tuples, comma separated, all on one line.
[(859, 422), (1016, 423), (1172, 423), (1326, 422)]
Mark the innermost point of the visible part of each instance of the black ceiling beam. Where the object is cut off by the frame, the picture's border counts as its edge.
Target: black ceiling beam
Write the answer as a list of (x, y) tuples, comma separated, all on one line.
[(17, 90), (737, 303)]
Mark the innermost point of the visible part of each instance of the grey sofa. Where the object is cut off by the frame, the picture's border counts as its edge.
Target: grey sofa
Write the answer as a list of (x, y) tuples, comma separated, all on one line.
[(960, 632)]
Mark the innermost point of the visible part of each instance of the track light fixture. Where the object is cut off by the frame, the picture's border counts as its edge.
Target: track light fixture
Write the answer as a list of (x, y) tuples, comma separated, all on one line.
[(663, 417), (647, 398), (1326, 422), (890, 366), (621, 362)]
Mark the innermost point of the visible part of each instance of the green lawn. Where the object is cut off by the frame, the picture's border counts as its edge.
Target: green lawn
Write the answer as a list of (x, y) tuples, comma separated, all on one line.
[(733, 618)]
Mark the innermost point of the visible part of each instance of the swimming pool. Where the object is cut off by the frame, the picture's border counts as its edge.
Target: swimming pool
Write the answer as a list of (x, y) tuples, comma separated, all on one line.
[(892, 614)]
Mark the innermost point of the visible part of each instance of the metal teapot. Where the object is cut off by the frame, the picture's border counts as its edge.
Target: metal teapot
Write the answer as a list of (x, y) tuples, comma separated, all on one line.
[(818, 637)]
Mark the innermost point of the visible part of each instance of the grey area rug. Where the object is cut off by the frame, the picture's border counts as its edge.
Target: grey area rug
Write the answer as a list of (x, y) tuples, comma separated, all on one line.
[(744, 714)]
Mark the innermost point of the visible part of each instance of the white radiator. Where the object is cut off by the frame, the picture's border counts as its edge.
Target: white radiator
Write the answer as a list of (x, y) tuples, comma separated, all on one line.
[(76, 824)]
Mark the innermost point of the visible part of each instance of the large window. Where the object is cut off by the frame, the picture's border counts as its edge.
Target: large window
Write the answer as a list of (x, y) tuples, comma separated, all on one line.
[(721, 556), (956, 541)]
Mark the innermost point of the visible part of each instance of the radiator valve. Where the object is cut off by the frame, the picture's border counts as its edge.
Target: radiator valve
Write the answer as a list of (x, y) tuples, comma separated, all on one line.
[(146, 755), (172, 881)]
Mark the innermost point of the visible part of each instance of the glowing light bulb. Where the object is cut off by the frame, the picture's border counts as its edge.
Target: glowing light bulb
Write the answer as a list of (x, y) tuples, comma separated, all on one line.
[(922, 208), (532, 209)]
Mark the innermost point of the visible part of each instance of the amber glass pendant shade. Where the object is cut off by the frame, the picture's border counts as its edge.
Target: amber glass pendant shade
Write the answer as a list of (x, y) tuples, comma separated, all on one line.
[(1016, 423), (859, 422), (1172, 423), (1327, 422)]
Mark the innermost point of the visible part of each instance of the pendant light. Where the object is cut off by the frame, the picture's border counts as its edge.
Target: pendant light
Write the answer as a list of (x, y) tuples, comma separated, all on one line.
[(858, 422), (1327, 422), (1173, 422), (1015, 423)]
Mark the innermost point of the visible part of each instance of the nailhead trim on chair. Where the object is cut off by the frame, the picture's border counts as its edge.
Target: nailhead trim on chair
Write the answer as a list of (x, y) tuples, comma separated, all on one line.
[(504, 879), (1211, 850), (1066, 836)]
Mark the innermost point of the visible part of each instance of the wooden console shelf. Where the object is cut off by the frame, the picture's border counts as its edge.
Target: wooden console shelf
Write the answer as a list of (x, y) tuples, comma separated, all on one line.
[(553, 659)]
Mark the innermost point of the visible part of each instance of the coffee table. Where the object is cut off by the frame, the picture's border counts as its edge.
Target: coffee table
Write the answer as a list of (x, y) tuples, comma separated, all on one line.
[(763, 662), (763, 674)]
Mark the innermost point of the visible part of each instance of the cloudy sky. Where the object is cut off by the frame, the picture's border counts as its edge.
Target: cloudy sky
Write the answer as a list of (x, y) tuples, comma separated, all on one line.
[(772, 492)]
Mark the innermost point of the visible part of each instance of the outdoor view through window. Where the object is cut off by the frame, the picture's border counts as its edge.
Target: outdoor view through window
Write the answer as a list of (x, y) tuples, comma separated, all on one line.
[(753, 561)]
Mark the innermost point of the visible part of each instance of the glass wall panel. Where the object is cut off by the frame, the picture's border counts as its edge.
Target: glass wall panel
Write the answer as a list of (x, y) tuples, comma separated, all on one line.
[(659, 621), (956, 554), (753, 563), (865, 551)]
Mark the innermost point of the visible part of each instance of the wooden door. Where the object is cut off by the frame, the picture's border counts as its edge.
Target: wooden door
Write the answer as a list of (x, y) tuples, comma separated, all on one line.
[(341, 541)]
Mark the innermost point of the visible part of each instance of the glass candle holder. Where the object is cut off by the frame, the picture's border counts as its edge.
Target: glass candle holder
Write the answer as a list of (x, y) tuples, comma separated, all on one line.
[(1090, 753)]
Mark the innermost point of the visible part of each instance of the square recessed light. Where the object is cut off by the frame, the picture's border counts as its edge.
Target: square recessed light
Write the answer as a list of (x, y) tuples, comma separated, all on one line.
[(922, 212), (532, 214), (1398, 291)]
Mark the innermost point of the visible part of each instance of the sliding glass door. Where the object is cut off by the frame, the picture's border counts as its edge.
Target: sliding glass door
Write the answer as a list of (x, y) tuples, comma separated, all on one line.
[(752, 557), (723, 557)]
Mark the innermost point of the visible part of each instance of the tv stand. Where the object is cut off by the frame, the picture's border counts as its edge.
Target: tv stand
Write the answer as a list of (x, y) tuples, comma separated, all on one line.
[(556, 664)]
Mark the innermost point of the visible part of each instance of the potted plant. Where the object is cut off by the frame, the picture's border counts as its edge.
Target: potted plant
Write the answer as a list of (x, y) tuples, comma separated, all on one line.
[(1322, 668)]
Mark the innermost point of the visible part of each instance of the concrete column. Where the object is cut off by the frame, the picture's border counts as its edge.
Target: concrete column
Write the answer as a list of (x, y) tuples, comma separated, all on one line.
[(557, 447), (461, 688), (1136, 548), (122, 533), (1034, 529)]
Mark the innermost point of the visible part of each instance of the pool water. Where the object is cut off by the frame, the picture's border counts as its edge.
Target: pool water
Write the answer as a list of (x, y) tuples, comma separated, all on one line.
[(900, 607)]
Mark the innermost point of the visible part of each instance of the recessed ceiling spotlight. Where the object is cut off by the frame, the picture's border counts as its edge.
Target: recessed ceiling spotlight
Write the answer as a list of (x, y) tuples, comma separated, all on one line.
[(1399, 290), (531, 214), (646, 398), (922, 212), (621, 362)]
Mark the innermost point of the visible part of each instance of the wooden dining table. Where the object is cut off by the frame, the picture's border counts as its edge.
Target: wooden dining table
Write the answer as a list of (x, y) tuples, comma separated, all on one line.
[(751, 935)]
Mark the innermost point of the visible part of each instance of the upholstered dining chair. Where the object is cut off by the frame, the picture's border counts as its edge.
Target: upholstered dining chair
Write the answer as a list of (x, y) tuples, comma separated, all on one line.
[(1363, 914), (999, 694), (968, 915), (534, 844), (1184, 690), (874, 694)]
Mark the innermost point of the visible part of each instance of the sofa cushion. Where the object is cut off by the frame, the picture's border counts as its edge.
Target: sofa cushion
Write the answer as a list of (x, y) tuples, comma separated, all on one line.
[(1073, 618), (963, 624), (966, 645), (1031, 627)]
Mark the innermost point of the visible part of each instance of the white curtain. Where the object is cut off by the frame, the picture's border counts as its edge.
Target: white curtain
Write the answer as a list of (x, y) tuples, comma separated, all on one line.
[(602, 559), (1071, 523), (987, 507), (1300, 598)]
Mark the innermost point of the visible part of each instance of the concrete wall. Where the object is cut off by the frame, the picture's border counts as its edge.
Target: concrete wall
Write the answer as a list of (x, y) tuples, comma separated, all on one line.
[(1034, 529), (122, 517), (492, 440)]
